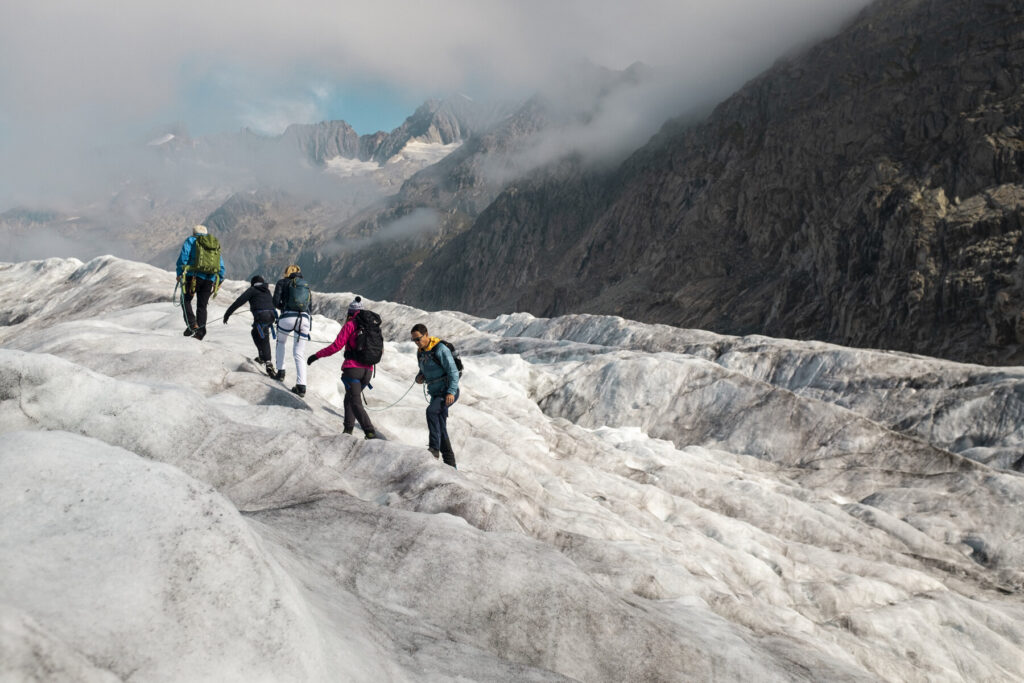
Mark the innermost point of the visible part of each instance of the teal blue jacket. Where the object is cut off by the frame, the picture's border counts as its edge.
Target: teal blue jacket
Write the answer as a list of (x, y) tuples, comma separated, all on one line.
[(438, 369)]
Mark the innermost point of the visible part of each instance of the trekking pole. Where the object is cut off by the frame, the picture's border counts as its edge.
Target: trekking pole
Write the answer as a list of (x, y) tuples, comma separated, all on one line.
[(396, 402)]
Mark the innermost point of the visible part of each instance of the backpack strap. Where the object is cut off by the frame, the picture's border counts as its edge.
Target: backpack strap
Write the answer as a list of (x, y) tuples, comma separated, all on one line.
[(299, 329), (434, 352)]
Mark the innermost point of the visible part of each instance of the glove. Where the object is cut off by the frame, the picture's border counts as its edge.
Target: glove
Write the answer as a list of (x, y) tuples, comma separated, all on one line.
[(311, 359)]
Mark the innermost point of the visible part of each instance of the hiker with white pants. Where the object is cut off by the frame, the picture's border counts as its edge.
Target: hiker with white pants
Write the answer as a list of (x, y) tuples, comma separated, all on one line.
[(295, 301)]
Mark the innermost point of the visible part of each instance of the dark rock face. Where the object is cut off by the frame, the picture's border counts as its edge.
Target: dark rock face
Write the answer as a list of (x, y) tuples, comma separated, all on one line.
[(437, 203), (322, 224), (381, 251), (869, 192), (325, 140)]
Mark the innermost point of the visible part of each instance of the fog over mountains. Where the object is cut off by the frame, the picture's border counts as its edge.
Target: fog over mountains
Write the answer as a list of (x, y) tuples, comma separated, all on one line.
[(145, 194), (634, 502), (866, 190)]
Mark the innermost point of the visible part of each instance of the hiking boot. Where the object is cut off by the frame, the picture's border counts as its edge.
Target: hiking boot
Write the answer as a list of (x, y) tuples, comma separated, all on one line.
[(270, 370), (434, 452), (199, 333), (346, 430), (279, 375), (370, 435), (189, 331), (299, 389)]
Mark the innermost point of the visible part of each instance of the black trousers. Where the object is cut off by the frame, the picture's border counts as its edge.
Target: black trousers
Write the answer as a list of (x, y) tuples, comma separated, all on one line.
[(201, 289), (261, 337), (355, 379), (437, 427)]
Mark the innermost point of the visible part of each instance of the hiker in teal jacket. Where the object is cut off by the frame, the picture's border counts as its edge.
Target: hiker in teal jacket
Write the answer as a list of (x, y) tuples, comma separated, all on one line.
[(439, 372), (199, 285)]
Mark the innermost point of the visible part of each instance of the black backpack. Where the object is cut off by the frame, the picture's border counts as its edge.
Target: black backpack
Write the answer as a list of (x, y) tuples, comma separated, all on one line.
[(455, 355), (369, 345)]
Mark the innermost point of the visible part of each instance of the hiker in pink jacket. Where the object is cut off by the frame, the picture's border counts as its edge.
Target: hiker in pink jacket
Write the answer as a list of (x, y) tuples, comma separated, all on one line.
[(356, 372)]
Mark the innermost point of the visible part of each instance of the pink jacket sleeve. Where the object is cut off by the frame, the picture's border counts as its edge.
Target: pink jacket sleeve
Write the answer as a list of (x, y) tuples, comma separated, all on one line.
[(340, 342)]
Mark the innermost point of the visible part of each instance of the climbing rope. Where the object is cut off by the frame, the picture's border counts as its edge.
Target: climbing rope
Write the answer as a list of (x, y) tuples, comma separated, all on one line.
[(283, 333), (291, 333), (180, 303), (376, 410)]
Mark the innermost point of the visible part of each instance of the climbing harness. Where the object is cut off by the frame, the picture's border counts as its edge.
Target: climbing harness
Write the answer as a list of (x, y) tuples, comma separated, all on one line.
[(261, 327), (296, 330), (290, 333)]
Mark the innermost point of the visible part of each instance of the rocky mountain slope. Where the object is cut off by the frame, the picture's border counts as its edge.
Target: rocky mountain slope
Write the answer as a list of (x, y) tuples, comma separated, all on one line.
[(869, 191), (345, 176), (380, 249)]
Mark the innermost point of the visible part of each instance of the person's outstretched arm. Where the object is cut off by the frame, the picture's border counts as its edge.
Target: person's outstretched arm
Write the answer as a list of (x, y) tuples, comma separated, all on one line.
[(242, 298), (340, 342)]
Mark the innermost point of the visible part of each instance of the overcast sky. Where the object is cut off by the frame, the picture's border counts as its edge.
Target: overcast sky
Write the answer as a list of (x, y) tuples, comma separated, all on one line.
[(77, 74)]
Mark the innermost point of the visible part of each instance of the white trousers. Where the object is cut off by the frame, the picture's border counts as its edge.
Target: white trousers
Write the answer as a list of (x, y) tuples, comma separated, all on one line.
[(296, 327)]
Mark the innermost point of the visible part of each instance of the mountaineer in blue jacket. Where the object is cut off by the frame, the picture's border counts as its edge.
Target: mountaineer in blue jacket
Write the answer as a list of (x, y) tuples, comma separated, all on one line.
[(441, 375), (200, 271)]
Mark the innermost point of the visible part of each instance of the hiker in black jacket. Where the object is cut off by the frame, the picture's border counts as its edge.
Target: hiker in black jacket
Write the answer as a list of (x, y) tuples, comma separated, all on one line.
[(261, 304)]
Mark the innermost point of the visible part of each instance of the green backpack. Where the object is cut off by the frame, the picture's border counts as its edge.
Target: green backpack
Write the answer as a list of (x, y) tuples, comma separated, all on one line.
[(206, 255), (298, 296)]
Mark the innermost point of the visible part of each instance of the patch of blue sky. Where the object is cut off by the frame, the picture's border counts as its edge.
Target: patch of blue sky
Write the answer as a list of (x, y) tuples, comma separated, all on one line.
[(229, 98), (372, 106)]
